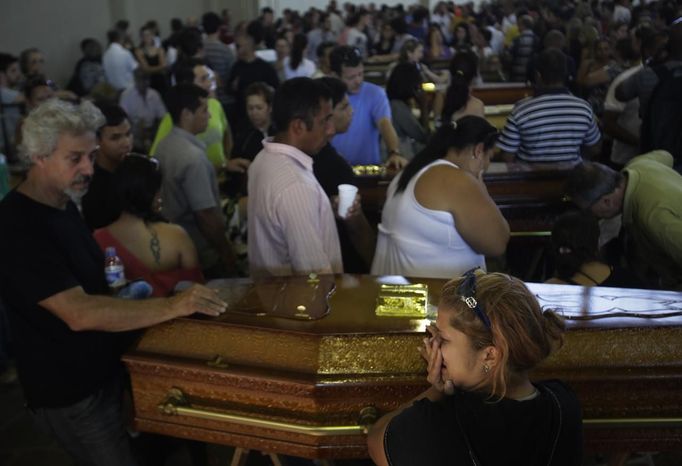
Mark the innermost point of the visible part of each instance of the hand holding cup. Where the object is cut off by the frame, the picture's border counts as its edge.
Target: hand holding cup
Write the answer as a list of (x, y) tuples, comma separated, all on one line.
[(347, 194)]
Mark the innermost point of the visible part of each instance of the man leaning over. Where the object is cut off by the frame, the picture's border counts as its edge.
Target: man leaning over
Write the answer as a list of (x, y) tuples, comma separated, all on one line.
[(648, 193)]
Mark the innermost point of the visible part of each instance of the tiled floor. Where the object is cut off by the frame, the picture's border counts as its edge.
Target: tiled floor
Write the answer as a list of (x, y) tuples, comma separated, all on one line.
[(22, 445)]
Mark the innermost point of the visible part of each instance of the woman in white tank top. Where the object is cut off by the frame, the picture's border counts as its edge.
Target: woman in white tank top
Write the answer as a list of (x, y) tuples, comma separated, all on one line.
[(439, 220)]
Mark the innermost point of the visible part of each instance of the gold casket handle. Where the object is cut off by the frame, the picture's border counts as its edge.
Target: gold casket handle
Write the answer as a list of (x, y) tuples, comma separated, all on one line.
[(177, 404), (368, 416)]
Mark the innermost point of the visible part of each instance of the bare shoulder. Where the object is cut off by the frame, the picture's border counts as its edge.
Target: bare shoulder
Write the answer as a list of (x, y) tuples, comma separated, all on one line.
[(477, 106), (444, 181), (172, 231), (448, 175), (442, 185)]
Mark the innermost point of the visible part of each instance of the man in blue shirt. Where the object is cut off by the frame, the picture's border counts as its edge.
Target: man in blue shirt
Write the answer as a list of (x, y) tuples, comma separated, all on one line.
[(371, 114)]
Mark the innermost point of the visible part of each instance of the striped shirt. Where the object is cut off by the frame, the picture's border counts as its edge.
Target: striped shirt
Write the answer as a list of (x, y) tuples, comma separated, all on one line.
[(550, 127), (523, 48), (291, 225)]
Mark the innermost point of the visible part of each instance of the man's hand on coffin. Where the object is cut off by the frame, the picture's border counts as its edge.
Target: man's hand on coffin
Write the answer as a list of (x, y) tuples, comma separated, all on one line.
[(197, 298)]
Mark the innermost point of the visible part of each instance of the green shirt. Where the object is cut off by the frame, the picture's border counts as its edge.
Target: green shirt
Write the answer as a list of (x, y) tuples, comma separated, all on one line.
[(652, 216), (212, 137)]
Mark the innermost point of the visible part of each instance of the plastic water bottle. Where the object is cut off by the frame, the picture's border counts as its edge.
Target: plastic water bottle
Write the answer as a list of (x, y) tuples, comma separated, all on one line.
[(113, 269)]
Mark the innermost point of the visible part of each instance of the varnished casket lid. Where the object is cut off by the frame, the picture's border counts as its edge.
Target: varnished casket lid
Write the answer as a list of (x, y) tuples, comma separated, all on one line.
[(352, 339)]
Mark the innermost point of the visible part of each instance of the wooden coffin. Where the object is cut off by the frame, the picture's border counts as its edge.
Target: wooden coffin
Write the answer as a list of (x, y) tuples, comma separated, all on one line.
[(530, 196), (501, 93), (301, 367)]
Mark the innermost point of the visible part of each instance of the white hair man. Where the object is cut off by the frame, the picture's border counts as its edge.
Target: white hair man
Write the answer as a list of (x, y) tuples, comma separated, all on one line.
[(65, 329)]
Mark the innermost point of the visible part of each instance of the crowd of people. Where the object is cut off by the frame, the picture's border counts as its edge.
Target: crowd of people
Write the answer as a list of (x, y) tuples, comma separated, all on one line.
[(218, 152)]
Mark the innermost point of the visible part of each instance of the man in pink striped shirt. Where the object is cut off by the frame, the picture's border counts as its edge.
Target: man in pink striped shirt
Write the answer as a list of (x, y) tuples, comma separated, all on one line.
[(291, 223)]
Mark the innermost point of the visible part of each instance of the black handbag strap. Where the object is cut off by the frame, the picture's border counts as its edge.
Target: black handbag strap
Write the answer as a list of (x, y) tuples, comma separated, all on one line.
[(472, 454), (559, 424)]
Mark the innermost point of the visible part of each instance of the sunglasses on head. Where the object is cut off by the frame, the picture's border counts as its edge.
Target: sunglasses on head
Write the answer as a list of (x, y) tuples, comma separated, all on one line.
[(467, 292), (350, 53), (148, 158)]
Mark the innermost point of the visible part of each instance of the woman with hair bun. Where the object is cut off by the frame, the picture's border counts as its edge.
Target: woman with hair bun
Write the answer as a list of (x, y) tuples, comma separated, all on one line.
[(482, 408), (296, 64), (458, 99), (439, 220), (158, 252), (403, 91)]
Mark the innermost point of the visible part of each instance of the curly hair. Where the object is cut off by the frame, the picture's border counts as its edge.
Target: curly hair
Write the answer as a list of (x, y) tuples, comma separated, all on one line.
[(44, 125)]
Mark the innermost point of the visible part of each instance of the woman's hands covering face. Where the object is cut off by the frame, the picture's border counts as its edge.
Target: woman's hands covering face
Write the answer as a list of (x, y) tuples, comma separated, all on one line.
[(431, 352)]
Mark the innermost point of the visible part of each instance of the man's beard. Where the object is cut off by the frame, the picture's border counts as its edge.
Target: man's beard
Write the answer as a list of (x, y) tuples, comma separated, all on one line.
[(77, 194)]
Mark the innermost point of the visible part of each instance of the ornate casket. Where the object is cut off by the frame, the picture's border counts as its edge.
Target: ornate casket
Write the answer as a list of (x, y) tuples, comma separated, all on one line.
[(301, 366)]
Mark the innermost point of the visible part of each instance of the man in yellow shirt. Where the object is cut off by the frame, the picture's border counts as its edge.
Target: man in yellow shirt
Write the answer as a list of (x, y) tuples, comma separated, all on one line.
[(648, 193), (218, 136)]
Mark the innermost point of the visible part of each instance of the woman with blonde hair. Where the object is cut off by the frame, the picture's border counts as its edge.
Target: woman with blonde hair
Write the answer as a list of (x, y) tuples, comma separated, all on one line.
[(482, 407)]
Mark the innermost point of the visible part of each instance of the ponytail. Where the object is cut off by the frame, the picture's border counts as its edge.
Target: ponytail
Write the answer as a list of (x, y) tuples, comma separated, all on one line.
[(456, 96), (553, 327), (297, 47), (467, 131), (463, 69)]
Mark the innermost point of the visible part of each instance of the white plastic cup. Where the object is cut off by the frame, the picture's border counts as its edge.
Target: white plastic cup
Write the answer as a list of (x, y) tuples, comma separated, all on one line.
[(347, 194)]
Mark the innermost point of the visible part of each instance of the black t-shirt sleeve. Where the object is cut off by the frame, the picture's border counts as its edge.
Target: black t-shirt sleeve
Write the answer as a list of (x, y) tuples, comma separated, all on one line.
[(413, 436)]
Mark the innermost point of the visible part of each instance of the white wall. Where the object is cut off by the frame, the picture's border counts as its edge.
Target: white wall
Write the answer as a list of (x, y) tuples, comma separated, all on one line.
[(303, 5), (55, 27)]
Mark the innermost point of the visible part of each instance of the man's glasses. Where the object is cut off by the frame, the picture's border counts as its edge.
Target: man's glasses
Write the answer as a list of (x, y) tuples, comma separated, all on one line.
[(467, 292)]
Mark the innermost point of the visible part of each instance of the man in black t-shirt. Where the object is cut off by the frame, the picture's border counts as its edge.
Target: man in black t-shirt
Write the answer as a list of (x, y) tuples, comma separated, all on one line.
[(53, 285), (356, 236), (115, 141)]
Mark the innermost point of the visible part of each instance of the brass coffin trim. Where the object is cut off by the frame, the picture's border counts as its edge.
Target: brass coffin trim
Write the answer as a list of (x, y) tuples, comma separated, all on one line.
[(523, 234), (177, 405), (628, 422)]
